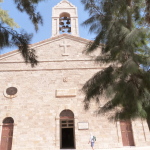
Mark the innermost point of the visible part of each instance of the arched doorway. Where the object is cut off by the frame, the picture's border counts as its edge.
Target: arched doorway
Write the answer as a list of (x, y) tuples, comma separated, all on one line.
[(7, 134), (67, 135), (127, 134)]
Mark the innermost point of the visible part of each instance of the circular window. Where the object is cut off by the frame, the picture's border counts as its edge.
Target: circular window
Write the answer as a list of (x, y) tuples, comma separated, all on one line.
[(11, 92)]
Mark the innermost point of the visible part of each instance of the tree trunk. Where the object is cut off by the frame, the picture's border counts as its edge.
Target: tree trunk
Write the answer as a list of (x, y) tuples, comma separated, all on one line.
[(129, 14)]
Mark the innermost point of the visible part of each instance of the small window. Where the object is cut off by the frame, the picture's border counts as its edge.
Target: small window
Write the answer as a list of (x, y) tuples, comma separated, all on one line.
[(70, 121), (10, 92), (70, 125), (63, 122), (64, 125), (8, 120), (66, 114)]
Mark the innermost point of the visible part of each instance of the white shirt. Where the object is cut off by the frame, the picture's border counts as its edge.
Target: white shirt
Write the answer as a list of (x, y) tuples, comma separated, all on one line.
[(91, 139)]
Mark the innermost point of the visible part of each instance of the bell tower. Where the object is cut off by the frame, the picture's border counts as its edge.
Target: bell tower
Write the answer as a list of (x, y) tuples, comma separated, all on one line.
[(64, 19)]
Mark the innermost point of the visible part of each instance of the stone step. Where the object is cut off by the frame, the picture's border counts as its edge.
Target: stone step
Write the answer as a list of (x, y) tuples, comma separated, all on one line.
[(123, 148)]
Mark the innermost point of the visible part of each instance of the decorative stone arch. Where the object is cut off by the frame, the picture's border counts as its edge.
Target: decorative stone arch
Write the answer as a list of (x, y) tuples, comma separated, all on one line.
[(7, 133), (66, 114), (60, 109), (11, 90)]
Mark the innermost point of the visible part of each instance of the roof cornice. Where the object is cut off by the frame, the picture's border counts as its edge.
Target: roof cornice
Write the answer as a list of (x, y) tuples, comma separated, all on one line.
[(52, 39)]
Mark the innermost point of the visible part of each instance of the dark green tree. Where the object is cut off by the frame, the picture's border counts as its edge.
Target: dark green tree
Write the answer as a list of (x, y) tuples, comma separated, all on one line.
[(122, 29), (10, 37)]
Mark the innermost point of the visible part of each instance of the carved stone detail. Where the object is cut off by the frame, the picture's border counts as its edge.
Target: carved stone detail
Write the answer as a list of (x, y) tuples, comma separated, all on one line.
[(65, 45), (65, 79)]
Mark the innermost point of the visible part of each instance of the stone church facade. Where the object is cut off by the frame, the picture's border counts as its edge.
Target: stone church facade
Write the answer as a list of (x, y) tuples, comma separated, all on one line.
[(41, 108)]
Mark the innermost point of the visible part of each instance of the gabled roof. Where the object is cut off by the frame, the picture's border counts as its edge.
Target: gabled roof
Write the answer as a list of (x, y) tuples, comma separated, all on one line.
[(65, 3), (52, 39)]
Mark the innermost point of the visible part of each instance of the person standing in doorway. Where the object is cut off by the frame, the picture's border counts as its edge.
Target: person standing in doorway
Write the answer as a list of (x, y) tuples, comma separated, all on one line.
[(92, 140)]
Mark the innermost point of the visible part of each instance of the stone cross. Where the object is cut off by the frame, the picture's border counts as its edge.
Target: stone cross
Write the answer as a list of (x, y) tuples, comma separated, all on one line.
[(65, 45)]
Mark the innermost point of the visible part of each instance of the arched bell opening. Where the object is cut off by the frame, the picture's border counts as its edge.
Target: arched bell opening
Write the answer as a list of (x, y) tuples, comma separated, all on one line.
[(67, 133), (64, 23), (7, 134)]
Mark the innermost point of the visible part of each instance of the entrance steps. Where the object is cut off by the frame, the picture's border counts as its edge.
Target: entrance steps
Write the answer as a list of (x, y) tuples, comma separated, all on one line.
[(123, 148), (127, 148)]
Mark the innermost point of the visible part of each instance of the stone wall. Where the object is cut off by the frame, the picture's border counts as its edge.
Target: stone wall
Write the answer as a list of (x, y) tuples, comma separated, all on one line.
[(51, 87)]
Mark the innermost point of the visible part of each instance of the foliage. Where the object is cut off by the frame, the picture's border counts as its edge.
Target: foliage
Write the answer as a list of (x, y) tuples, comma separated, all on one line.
[(10, 37), (122, 27), (6, 19), (29, 6)]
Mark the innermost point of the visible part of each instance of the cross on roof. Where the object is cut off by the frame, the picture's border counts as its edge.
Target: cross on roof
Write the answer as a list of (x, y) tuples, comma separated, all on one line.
[(65, 45)]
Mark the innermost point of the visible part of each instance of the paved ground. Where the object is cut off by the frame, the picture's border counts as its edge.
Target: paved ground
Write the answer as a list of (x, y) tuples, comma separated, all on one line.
[(124, 148), (128, 148)]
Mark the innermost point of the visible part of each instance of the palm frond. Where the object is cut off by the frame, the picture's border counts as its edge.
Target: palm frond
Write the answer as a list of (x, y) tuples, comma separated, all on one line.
[(9, 38)]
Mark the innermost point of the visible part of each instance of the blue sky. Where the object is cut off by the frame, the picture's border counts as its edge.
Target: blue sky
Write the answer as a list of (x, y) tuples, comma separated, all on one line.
[(44, 32)]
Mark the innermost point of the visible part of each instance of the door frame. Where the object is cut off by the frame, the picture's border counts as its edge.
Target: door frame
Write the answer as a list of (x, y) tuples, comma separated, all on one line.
[(73, 127)]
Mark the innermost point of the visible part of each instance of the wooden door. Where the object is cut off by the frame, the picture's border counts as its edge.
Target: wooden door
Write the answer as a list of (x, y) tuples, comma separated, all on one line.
[(6, 138), (127, 134)]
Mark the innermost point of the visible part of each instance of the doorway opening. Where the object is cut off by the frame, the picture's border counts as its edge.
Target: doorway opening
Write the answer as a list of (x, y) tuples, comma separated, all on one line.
[(67, 140)]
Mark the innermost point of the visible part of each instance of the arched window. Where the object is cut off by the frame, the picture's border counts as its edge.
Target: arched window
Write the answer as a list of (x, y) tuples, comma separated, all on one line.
[(66, 114), (7, 134), (8, 120)]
